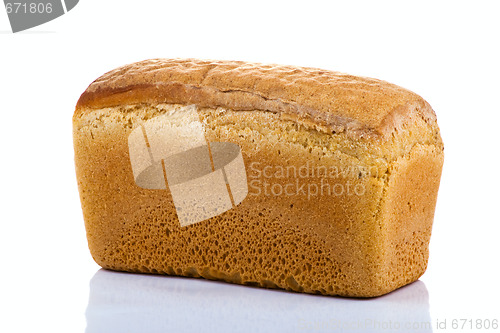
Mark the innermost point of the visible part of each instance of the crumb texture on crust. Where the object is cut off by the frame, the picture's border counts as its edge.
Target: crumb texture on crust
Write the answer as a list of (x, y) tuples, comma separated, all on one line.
[(333, 101), (350, 245)]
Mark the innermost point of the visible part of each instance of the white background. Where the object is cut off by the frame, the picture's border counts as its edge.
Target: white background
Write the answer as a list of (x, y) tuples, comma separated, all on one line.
[(446, 51)]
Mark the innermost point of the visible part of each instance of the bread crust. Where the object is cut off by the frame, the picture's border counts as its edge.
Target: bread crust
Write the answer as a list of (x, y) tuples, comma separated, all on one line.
[(360, 245), (333, 101)]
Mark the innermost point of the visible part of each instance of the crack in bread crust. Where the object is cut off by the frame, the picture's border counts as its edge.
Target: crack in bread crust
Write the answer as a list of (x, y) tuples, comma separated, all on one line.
[(399, 144), (363, 107)]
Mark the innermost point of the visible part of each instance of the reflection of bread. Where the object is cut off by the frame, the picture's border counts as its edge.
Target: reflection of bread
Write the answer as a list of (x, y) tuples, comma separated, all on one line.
[(226, 308), (372, 148)]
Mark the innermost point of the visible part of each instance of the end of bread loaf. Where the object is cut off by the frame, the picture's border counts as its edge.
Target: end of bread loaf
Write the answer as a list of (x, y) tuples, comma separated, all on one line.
[(361, 244)]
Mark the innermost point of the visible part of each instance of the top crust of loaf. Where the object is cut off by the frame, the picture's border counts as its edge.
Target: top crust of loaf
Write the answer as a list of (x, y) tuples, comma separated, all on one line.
[(330, 101)]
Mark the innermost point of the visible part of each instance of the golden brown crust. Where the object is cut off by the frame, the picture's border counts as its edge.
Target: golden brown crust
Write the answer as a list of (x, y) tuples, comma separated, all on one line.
[(351, 245), (360, 106), (363, 244)]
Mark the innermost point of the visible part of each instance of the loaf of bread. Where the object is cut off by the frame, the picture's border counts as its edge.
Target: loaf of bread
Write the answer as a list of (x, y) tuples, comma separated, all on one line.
[(264, 175)]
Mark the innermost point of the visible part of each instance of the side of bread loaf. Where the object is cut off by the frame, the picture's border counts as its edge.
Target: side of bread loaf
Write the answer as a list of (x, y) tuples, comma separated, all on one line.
[(342, 173)]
